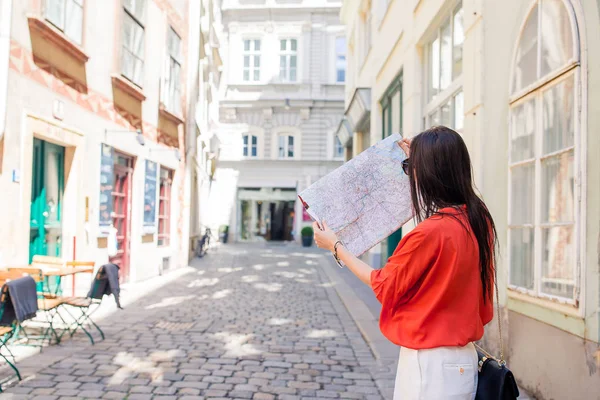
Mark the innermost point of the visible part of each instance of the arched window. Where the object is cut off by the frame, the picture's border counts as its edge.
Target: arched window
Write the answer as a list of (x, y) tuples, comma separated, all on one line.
[(544, 156)]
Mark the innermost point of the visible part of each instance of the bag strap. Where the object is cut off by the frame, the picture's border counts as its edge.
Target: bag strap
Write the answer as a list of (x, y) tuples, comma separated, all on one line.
[(501, 362)]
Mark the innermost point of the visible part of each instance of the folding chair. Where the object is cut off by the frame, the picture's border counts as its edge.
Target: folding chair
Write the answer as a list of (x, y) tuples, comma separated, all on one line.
[(6, 332), (87, 306), (48, 304)]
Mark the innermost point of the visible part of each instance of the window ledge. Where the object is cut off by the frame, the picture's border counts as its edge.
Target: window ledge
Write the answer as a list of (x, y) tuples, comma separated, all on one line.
[(169, 115), (55, 36), (561, 316), (128, 87)]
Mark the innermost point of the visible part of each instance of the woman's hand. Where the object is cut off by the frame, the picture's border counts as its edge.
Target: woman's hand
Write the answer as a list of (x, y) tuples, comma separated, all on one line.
[(405, 145), (326, 238)]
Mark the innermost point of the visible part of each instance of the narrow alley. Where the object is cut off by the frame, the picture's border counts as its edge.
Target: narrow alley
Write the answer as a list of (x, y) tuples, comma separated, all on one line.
[(246, 321)]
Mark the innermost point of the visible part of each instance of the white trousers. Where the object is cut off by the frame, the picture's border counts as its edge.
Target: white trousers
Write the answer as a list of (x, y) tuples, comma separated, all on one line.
[(443, 373)]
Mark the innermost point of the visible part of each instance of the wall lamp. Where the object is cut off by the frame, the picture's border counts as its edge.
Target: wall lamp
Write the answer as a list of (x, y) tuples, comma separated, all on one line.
[(287, 104), (139, 136)]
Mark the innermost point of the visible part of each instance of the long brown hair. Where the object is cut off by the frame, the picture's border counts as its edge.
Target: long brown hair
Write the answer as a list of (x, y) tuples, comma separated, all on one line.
[(441, 176)]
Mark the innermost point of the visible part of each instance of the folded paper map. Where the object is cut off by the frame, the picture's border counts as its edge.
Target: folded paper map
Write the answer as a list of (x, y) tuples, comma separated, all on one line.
[(366, 199)]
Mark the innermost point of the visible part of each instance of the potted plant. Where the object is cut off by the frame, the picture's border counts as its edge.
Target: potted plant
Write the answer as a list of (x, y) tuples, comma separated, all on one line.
[(224, 233), (307, 236)]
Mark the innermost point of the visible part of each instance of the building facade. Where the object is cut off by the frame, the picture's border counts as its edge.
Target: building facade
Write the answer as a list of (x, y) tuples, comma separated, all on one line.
[(518, 80), (281, 99), (99, 109), (205, 155)]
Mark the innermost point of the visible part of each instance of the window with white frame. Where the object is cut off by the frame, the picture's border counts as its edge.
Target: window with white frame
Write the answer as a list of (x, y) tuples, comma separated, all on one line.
[(250, 145), (285, 146), (338, 148), (288, 60), (445, 101), (132, 52), (67, 16), (544, 156), (171, 92), (340, 59), (251, 56)]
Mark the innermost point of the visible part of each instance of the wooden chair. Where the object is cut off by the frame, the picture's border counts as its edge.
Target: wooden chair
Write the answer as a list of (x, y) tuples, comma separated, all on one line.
[(48, 303), (6, 333), (86, 306)]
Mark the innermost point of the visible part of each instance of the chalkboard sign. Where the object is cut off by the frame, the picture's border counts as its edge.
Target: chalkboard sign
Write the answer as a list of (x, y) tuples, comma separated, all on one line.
[(150, 197), (106, 187)]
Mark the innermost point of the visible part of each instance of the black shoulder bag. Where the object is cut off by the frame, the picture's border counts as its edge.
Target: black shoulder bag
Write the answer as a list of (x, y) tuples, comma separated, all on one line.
[(496, 382)]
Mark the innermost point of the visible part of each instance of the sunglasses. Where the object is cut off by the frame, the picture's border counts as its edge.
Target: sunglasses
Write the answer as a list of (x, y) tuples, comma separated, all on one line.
[(406, 166)]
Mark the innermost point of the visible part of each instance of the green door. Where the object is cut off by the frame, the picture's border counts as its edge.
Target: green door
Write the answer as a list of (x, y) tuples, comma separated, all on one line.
[(47, 187)]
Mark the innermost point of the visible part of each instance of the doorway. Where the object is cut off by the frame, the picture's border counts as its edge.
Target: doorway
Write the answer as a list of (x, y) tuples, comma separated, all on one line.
[(282, 220), (47, 191), (121, 216)]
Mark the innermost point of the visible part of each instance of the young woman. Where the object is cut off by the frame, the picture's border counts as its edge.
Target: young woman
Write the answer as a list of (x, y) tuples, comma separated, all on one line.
[(436, 289)]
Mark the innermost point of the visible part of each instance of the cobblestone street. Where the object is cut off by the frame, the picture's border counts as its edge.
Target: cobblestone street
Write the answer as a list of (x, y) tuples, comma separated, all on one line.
[(247, 321)]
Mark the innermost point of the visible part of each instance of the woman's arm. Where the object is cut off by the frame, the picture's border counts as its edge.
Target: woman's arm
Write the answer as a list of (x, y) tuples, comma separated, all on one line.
[(326, 239)]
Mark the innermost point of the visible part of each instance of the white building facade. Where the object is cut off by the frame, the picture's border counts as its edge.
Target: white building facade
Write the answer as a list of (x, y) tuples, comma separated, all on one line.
[(281, 100), (518, 79)]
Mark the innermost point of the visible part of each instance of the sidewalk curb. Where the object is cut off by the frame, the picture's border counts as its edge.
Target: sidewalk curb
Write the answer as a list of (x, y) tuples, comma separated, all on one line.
[(384, 352), (382, 348)]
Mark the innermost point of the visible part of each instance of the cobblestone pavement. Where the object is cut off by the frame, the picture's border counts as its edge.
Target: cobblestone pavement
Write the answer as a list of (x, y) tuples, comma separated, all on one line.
[(248, 321)]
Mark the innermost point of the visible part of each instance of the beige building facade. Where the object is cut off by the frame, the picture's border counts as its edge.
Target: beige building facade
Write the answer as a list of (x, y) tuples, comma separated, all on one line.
[(99, 111), (518, 79)]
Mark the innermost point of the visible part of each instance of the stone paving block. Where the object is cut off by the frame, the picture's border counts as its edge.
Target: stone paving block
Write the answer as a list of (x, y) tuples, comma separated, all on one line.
[(304, 385), (241, 394), (330, 394), (192, 385), (188, 391), (141, 389), (215, 393), (67, 392), (170, 390), (139, 396), (43, 391), (34, 383), (263, 396), (114, 395), (91, 394)]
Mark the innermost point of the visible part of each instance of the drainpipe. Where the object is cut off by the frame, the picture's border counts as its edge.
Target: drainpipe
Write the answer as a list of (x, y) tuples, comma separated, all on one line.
[(5, 20)]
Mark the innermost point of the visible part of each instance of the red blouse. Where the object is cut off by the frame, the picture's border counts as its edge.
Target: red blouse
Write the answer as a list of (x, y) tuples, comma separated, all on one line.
[(430, 289)]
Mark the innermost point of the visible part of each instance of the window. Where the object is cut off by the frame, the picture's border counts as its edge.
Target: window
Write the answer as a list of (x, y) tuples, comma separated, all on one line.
[(66, 15), (338, 150), (251, 72), (132, 57), (340, 59), (250, 148), (543, 174), (286, 146), (171, 92), (391, 108), (164, 207), (445, 102), (288, 60)]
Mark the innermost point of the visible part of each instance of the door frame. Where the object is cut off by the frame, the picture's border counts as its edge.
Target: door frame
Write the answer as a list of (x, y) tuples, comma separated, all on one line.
[(40, 150), (125, 267)]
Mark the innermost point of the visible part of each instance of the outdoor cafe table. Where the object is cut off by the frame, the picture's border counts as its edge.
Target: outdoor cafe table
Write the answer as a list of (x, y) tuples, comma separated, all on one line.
[(60, 271)]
